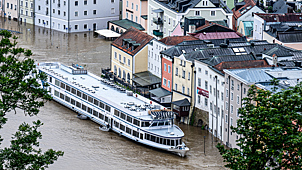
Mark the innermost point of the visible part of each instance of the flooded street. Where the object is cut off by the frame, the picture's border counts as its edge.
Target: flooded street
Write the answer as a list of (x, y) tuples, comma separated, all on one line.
[(85, 146)]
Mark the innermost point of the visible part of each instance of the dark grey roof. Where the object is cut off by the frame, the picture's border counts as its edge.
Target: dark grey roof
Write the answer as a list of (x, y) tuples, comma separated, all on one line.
[(145, 78), (280, 7), (226, 58), (210, 52), (290, 37), (180, 49), (286, 63), (126, 23), (160, 92), (297, 55), (183, 102), (279, 50), (222, 22)]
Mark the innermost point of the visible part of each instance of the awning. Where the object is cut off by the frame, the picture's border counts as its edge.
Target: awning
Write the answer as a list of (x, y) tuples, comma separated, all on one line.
[(160, 92), (146, 79), (108, 33), (158, 10), (183, 102)]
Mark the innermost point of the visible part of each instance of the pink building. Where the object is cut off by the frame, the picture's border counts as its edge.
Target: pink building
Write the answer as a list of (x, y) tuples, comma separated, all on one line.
[(136, 10)]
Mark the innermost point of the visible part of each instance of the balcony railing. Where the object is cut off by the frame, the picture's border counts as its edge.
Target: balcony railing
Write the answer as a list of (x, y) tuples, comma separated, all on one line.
[(157, 21), (157, 33)]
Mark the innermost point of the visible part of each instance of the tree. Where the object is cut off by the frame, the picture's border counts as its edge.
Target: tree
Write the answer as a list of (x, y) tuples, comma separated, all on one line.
[(270, 128), (19, 89)]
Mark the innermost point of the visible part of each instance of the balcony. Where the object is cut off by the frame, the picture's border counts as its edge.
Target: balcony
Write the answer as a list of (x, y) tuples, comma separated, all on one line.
[(157, 21), (157, 33)]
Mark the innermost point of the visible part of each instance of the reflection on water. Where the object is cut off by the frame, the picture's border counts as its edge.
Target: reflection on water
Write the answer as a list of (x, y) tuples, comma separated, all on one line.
[(84, 145)]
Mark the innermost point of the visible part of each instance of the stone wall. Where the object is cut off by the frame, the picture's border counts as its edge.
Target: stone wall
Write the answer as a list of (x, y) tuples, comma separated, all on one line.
[(201, 115)]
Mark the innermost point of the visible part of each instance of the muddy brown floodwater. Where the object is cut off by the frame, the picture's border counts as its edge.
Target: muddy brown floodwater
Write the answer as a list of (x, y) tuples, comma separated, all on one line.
[(85, 146)]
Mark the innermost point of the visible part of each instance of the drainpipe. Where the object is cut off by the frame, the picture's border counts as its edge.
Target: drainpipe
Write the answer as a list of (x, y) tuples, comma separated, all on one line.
[(193, 81), (221, 122), (241, 84), (34, 12), (229, 98), (68, 18), (216, 78), (50, 12)]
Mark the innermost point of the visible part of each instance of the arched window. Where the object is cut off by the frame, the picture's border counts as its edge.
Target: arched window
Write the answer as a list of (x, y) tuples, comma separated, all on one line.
[(115, 70), (128, 78), (122, 31), (124, 74), (119, 72), (117, 30), (112, 27)]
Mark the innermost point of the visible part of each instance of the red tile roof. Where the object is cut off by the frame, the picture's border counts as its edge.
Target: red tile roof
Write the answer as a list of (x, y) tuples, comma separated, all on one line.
[(238, 13), (210, 24), (281, 17), (216, 35), (241, 64), (135, 35), (176, 39)]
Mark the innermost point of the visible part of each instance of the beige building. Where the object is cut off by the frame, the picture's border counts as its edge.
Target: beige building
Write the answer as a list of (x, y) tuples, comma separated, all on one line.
[(11, 9), (129, 54), (136, 11), (27, 11)]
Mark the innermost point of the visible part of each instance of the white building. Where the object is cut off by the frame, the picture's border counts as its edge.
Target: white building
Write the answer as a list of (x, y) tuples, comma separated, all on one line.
[(209, 86), (154, 59), (74, 15)]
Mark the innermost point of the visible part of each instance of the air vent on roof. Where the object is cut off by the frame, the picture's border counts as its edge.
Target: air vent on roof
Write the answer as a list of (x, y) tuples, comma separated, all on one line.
[(223, 45), (183, 51)]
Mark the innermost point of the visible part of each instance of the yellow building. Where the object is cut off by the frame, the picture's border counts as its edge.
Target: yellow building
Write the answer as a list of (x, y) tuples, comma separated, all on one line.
[(129, 54), (183, 77)]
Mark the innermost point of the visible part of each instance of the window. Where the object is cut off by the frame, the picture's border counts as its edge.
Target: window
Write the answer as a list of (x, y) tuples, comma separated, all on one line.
[(227, 93), (76, 3), (169, 83), (76, 13), (176, 71), (188, 91), (124, 60), (244, 90), (85, 2), (213, 13), (231, 121), (85, 26), (113, 12), (221, 96), (76, 27), (165, 82), (232, 96), (132, 6), (165, 67), (94, 1), (169, 69), (226, 106), (226, 118), (232, 109), (64, 13), (127, 4), (112, 1), (59, 12), (206, 85), (136, 7), (206, 72), (136, 19), (238, 87), (198, 99), (183, 89), (115, 55), (237, 99), (128, 62), (189, 76), (197, 13), (199, 82), (175, 87), (206, 101), (184, 74), (85, 12), (39, 7)]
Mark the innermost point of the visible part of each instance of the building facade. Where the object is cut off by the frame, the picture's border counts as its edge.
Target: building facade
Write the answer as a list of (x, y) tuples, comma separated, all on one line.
[(11, 9), (75, 16), (27, 11), (164, 17), (136, 10)]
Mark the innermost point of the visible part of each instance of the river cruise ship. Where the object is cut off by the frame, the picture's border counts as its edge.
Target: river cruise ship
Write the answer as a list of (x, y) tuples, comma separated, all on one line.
[(113, 107)]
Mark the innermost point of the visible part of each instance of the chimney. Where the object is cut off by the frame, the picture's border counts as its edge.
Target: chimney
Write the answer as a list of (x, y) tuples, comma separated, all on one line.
[(275, 60)]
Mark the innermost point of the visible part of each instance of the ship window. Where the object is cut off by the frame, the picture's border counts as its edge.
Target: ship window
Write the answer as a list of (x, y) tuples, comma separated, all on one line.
[(135, 133), (84, 107), (67, 88), (172, 143), (90, 99), (145, 124), (95, 113), (102, 105), (79, 94), (101, 116), (78, 104), (116, 113), (73, 91), (96, 102), (84, 96), (122, 127), (161, 140), (106, 119), (164, 141), (57, 93), (89, 110), (116, 124), (67, 99), (63, 85), (108, 108), (176, 142), (157, 139), (129, 119), (141, 136), (128, 130), (72, 101), (123, 116), (136, 122), (152, 138), (50, 79), (161, 123), (57, 83), (154, 124), (147, 136), (168, 141)]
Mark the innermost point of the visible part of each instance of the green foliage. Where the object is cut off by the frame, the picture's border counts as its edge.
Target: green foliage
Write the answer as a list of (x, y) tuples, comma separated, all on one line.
[(270, 125), (270, 9), (19, 89)]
